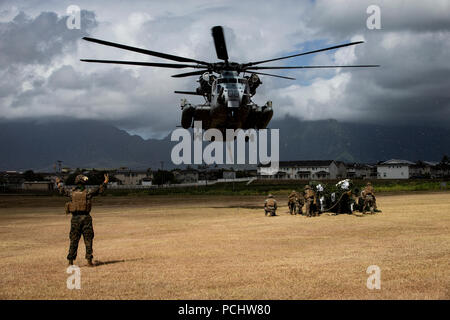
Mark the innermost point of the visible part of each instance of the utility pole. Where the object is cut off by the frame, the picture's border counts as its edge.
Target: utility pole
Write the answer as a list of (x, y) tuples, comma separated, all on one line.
[(162, 172), (234, 177)]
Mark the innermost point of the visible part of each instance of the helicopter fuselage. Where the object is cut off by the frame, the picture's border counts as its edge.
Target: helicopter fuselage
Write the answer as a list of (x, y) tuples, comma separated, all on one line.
[(228, 103)]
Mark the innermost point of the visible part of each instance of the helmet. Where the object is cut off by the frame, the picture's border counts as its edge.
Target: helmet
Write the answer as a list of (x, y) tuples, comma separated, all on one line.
[(270, 195), (81, 179), (307, 187), (369, 184)]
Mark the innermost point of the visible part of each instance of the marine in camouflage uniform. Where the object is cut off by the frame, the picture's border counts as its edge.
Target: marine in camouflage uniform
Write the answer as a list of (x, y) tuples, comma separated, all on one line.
[(310, 201), (270, 206), (80, 208), (300, 203), (292, 202), (368, 196)]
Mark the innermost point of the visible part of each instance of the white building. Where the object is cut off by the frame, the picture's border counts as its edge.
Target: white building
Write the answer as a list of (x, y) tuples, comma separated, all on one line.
[(308, 170), (394, 169), (132, 177), (146, 182)]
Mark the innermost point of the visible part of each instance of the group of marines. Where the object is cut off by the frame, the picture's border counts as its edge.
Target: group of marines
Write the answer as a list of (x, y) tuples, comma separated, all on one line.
[(307, 203), (80, 204)]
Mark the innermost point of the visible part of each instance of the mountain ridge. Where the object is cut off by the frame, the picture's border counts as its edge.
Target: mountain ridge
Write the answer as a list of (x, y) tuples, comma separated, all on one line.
[(88, 143)]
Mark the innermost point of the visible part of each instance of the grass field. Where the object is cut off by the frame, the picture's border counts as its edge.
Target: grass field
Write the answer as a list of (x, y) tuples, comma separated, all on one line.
[(281, 187), (222, 247)]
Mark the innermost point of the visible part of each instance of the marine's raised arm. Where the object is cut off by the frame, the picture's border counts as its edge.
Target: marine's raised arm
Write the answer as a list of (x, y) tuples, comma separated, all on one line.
[(62, 190), (100, 189)]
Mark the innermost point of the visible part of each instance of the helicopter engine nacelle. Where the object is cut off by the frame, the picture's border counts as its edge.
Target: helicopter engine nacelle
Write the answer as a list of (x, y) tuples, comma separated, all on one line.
[(205, 82), (253, 83), (265, 116)]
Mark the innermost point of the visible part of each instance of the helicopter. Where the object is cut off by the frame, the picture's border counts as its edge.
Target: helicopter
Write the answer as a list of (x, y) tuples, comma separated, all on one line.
[(227, 93)]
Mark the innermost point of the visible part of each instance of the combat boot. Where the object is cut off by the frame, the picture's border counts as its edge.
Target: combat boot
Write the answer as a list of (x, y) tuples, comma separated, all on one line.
[(70, 262), (90, 264)]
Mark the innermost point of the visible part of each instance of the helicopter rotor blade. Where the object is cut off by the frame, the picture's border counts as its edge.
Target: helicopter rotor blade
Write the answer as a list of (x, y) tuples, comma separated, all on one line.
[(189, 92), (219, 43), (145, 51), (304, 53), (314, 67), (148, 64), (272, 75), (188, 74)]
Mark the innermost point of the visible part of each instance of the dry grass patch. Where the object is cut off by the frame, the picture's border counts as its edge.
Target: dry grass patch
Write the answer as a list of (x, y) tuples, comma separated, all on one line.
[(223, 248)]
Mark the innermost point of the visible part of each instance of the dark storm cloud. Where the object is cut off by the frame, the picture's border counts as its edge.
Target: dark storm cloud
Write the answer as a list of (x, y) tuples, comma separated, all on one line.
[(26, 40), (29, 47), (412, 82), (67, 78), (413, 49), (340, 19), (41, 76)]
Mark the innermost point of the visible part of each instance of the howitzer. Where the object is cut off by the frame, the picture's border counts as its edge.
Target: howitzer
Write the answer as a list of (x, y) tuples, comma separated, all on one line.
[(337, 198)]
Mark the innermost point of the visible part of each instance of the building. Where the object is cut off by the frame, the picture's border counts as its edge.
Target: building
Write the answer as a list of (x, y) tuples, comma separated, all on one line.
[(308, 170), (38, 185), (394, 169), (229, 174), (186, 176), (11, 181), (132, 177), (361, 171), (147, 182), (422, 169), (440, 170)]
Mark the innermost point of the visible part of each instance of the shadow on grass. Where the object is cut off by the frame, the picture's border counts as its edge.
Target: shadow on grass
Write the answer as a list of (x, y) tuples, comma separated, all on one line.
[(102, 263), (237, 207)]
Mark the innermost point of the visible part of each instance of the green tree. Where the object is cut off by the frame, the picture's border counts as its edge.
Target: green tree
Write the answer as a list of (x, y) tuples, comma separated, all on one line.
[(163, 177), (29, 175)]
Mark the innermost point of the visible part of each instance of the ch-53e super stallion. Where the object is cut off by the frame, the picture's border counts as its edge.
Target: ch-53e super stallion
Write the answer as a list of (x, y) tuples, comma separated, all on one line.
[(228, 87)]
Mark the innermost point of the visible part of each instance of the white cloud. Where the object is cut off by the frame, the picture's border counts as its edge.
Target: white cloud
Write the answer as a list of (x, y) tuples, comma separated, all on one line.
[(314, 101)]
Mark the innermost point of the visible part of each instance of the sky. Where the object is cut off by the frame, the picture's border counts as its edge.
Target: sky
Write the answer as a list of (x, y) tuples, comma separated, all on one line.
[(41, 77)]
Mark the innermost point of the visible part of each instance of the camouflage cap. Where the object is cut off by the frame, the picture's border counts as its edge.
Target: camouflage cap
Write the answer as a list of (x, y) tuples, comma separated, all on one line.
[(307, 187), (369, 184), (81, 179), (270, 195)]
